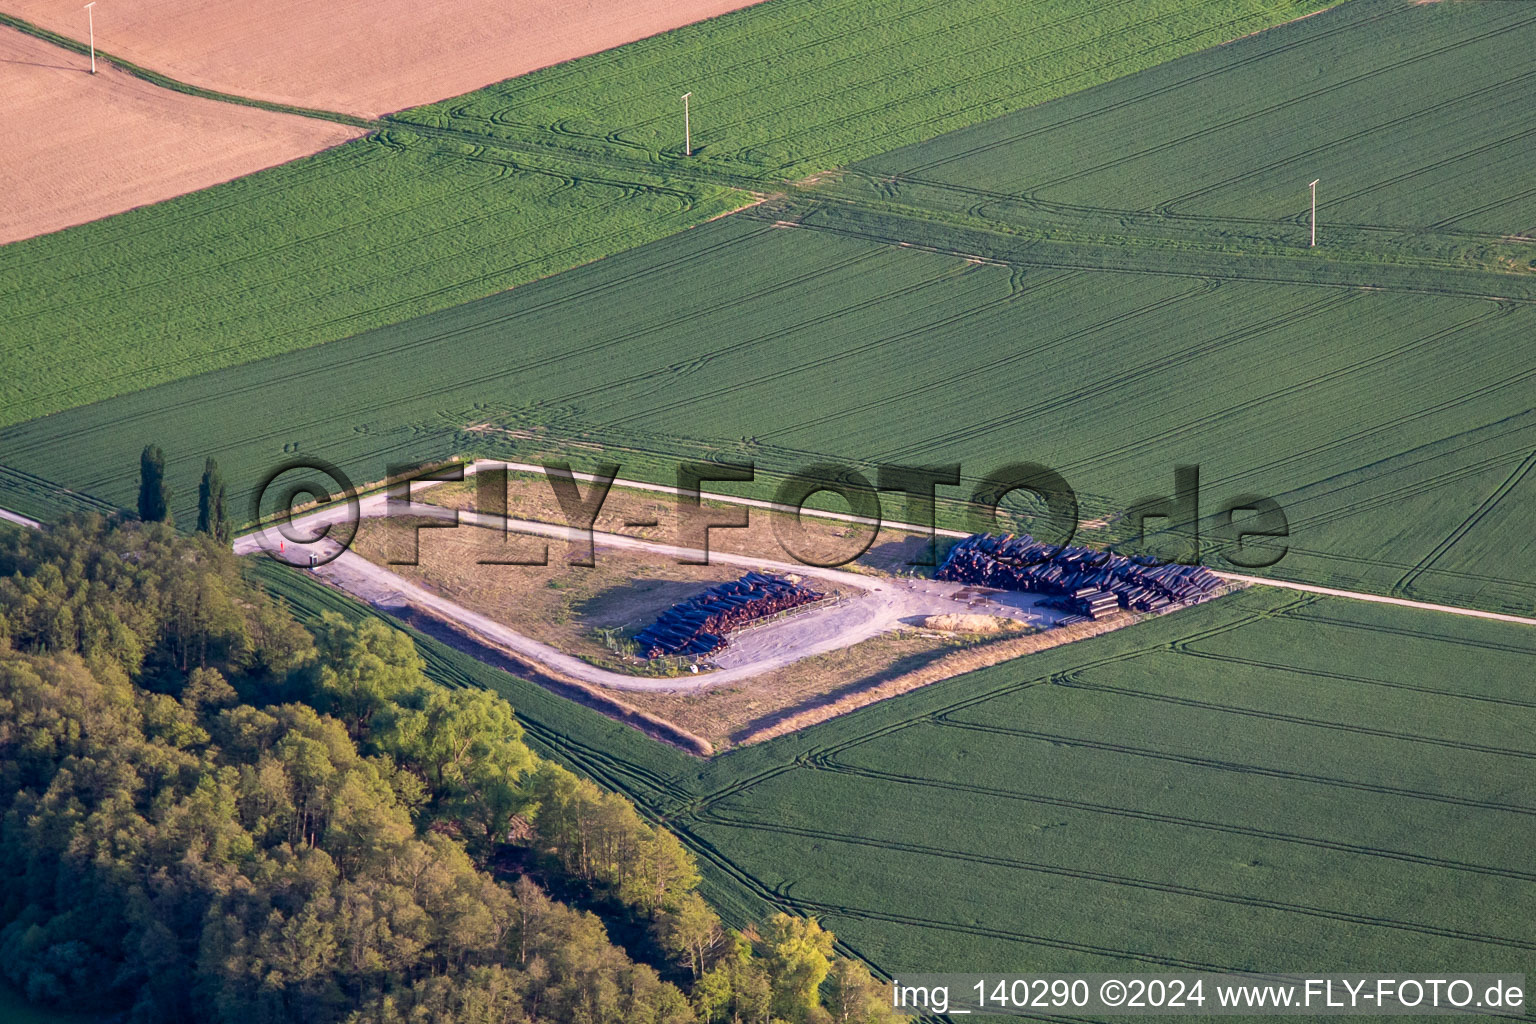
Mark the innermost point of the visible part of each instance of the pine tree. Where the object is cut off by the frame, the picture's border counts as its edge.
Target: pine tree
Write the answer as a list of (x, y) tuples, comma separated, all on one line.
[(154, 492), (212, 515)]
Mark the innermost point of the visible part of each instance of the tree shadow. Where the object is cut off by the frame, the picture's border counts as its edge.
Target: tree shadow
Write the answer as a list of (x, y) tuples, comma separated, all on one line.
[(635, 602), (35, 64), (900, 667)]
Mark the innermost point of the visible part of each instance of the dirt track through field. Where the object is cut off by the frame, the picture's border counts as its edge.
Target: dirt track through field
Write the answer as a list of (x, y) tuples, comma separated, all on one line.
[(363, 57), (82, 146), (875, 605)]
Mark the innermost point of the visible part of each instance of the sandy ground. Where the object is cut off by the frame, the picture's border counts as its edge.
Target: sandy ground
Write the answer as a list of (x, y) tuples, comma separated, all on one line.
[(79, 147), (875, 605), (365, 57)]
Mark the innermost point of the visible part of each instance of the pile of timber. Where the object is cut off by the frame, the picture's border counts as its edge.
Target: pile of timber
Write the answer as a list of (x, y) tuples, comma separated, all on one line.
[(699, 624), (1083, 581)]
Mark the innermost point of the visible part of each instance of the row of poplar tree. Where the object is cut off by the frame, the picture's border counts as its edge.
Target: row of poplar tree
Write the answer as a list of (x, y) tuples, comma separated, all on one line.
[(155, 496), (209, 812)]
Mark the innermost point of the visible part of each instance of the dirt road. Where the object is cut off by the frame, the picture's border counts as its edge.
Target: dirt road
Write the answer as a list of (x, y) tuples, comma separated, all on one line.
[(869, 605)]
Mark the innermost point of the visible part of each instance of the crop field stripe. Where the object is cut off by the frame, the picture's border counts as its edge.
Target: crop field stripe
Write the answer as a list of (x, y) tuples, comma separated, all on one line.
[(1234, 766), (1350, 440), (822, 361), (990, 369), (1302, 615), (363, 360), (822, 910), (1046, 253), (1075, 681), (1440, 550), (1302, 100), (914, 175), (629, 337), (1391, 499), (1123, 881), (708, 811), (667, 373), (212, 268), (1347, 442), (1517, 83), (1188, 647), (216, 203), (1130, 377), (782, 901), (855, 59), (1463, 155), (1053, 83), (1241, 58), (1362, 680), (873, 84)]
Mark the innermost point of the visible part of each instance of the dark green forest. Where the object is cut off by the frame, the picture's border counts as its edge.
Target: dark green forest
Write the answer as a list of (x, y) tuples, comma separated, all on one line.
[(211, 813)]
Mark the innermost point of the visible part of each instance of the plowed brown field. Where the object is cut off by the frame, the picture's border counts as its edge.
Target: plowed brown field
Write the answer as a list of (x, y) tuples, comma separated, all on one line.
[(364, 57), (80, 147)]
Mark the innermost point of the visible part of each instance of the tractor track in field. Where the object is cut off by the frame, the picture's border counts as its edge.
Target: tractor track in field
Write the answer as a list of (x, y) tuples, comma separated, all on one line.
[(1074, 680), (1120, 880), (1504, 489), (1362, 680), (1238, 767), (642, 172), (709, 813)]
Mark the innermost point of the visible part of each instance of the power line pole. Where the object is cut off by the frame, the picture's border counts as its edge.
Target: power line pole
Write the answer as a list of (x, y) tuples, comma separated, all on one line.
[(92, 16), (1314, 211), (687, 129)]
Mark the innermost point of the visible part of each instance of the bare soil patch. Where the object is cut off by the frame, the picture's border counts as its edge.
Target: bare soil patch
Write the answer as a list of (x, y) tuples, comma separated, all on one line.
[(364, 57), (579, 610), (82, 146), (568, 607), (907, 675), (655, 517)]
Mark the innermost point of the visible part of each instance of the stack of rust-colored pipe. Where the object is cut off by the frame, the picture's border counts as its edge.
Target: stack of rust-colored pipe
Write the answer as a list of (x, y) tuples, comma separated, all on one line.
[(699, 624), (1006, 561)]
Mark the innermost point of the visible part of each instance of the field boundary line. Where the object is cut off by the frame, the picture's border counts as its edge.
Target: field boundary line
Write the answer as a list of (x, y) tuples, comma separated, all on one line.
[(773, 506), (19, 519), (1260, 581), (1403, 602), (165, 81)]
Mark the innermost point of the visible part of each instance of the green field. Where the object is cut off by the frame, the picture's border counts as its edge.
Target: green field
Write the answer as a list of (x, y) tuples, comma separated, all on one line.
[(370, 233), (1259, 784), (1401, 458), (545, 172), (1402, 111), (792, 87), (852, 327), (1265, 783)]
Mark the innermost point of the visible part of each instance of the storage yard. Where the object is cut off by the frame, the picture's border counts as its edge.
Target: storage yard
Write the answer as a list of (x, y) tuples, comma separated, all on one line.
[(699, 625), (1091, 584), (805, 644)]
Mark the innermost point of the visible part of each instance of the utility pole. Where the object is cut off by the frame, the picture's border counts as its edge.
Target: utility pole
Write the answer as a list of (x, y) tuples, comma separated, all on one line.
[(90, 14), (687, 129), (1314, 211)]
